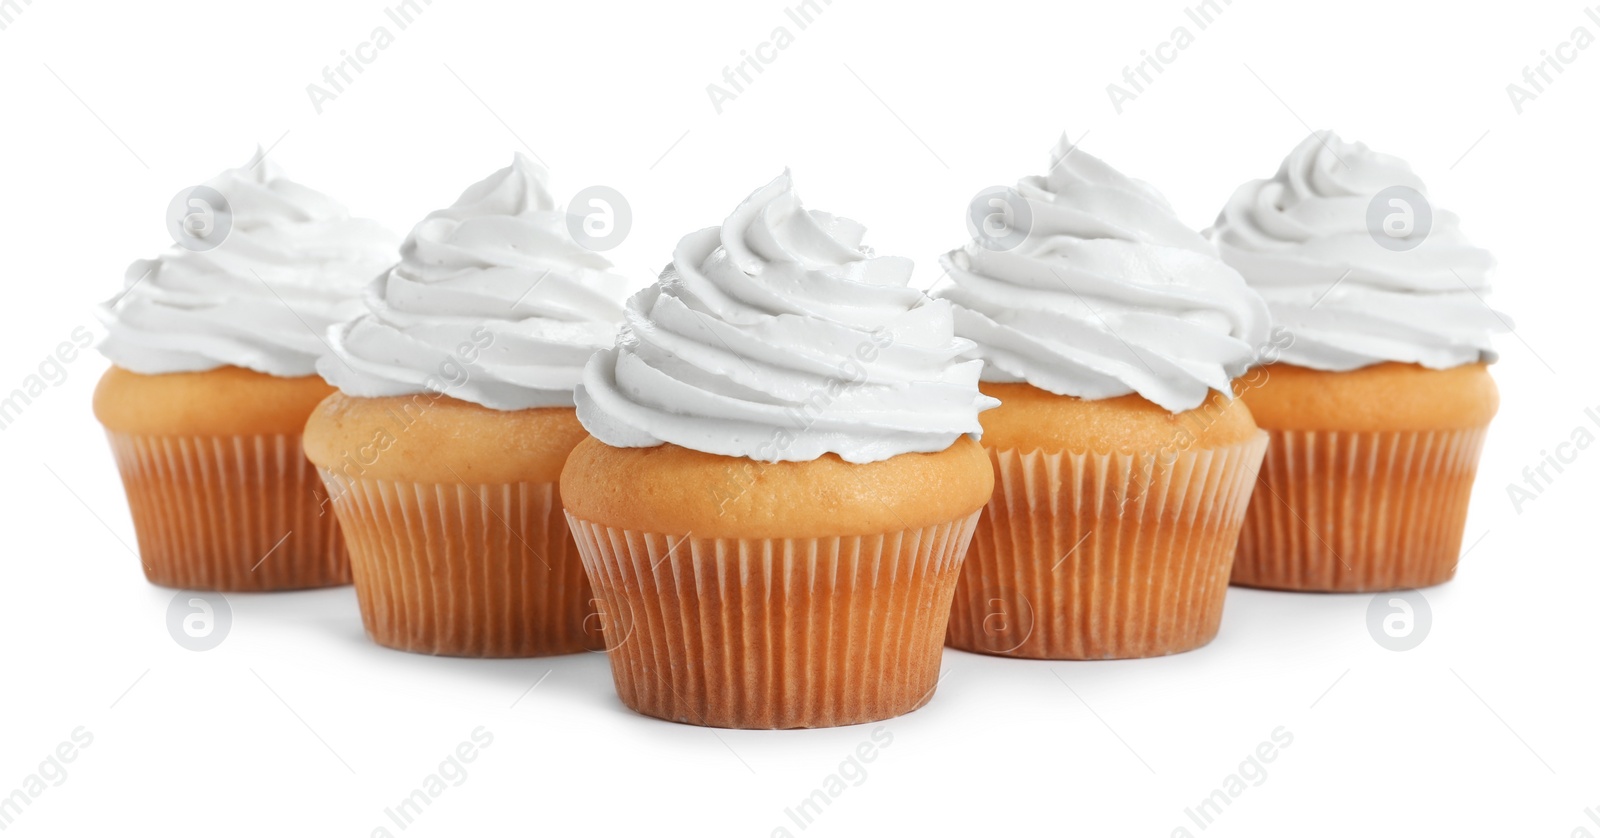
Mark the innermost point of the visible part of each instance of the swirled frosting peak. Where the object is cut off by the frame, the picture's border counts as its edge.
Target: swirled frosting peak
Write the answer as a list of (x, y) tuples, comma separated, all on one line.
[(291, 263), (778, 337), (1093, 288), (1356, 264), (493, 302)]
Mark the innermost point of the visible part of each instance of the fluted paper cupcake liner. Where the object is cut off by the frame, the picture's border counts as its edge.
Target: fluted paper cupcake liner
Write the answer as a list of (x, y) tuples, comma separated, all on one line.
[(1349, 511), (774, 633), (471, 570), (1094, 556), (229, 513)]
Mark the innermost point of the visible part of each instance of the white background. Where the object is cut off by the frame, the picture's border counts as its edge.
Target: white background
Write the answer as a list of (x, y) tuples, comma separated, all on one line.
[(296, 724)]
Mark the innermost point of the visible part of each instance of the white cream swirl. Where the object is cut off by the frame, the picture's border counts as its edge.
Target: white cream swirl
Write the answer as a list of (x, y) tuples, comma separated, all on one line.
[(1304, 240), (293, 263), (778, 337), (493, 302), (1097, 290)]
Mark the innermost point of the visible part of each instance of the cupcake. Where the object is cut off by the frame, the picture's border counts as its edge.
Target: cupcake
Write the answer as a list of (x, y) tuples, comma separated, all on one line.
[(1379, 406), (1110, 333), (442, 448), (782, 477), (213, 349)]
